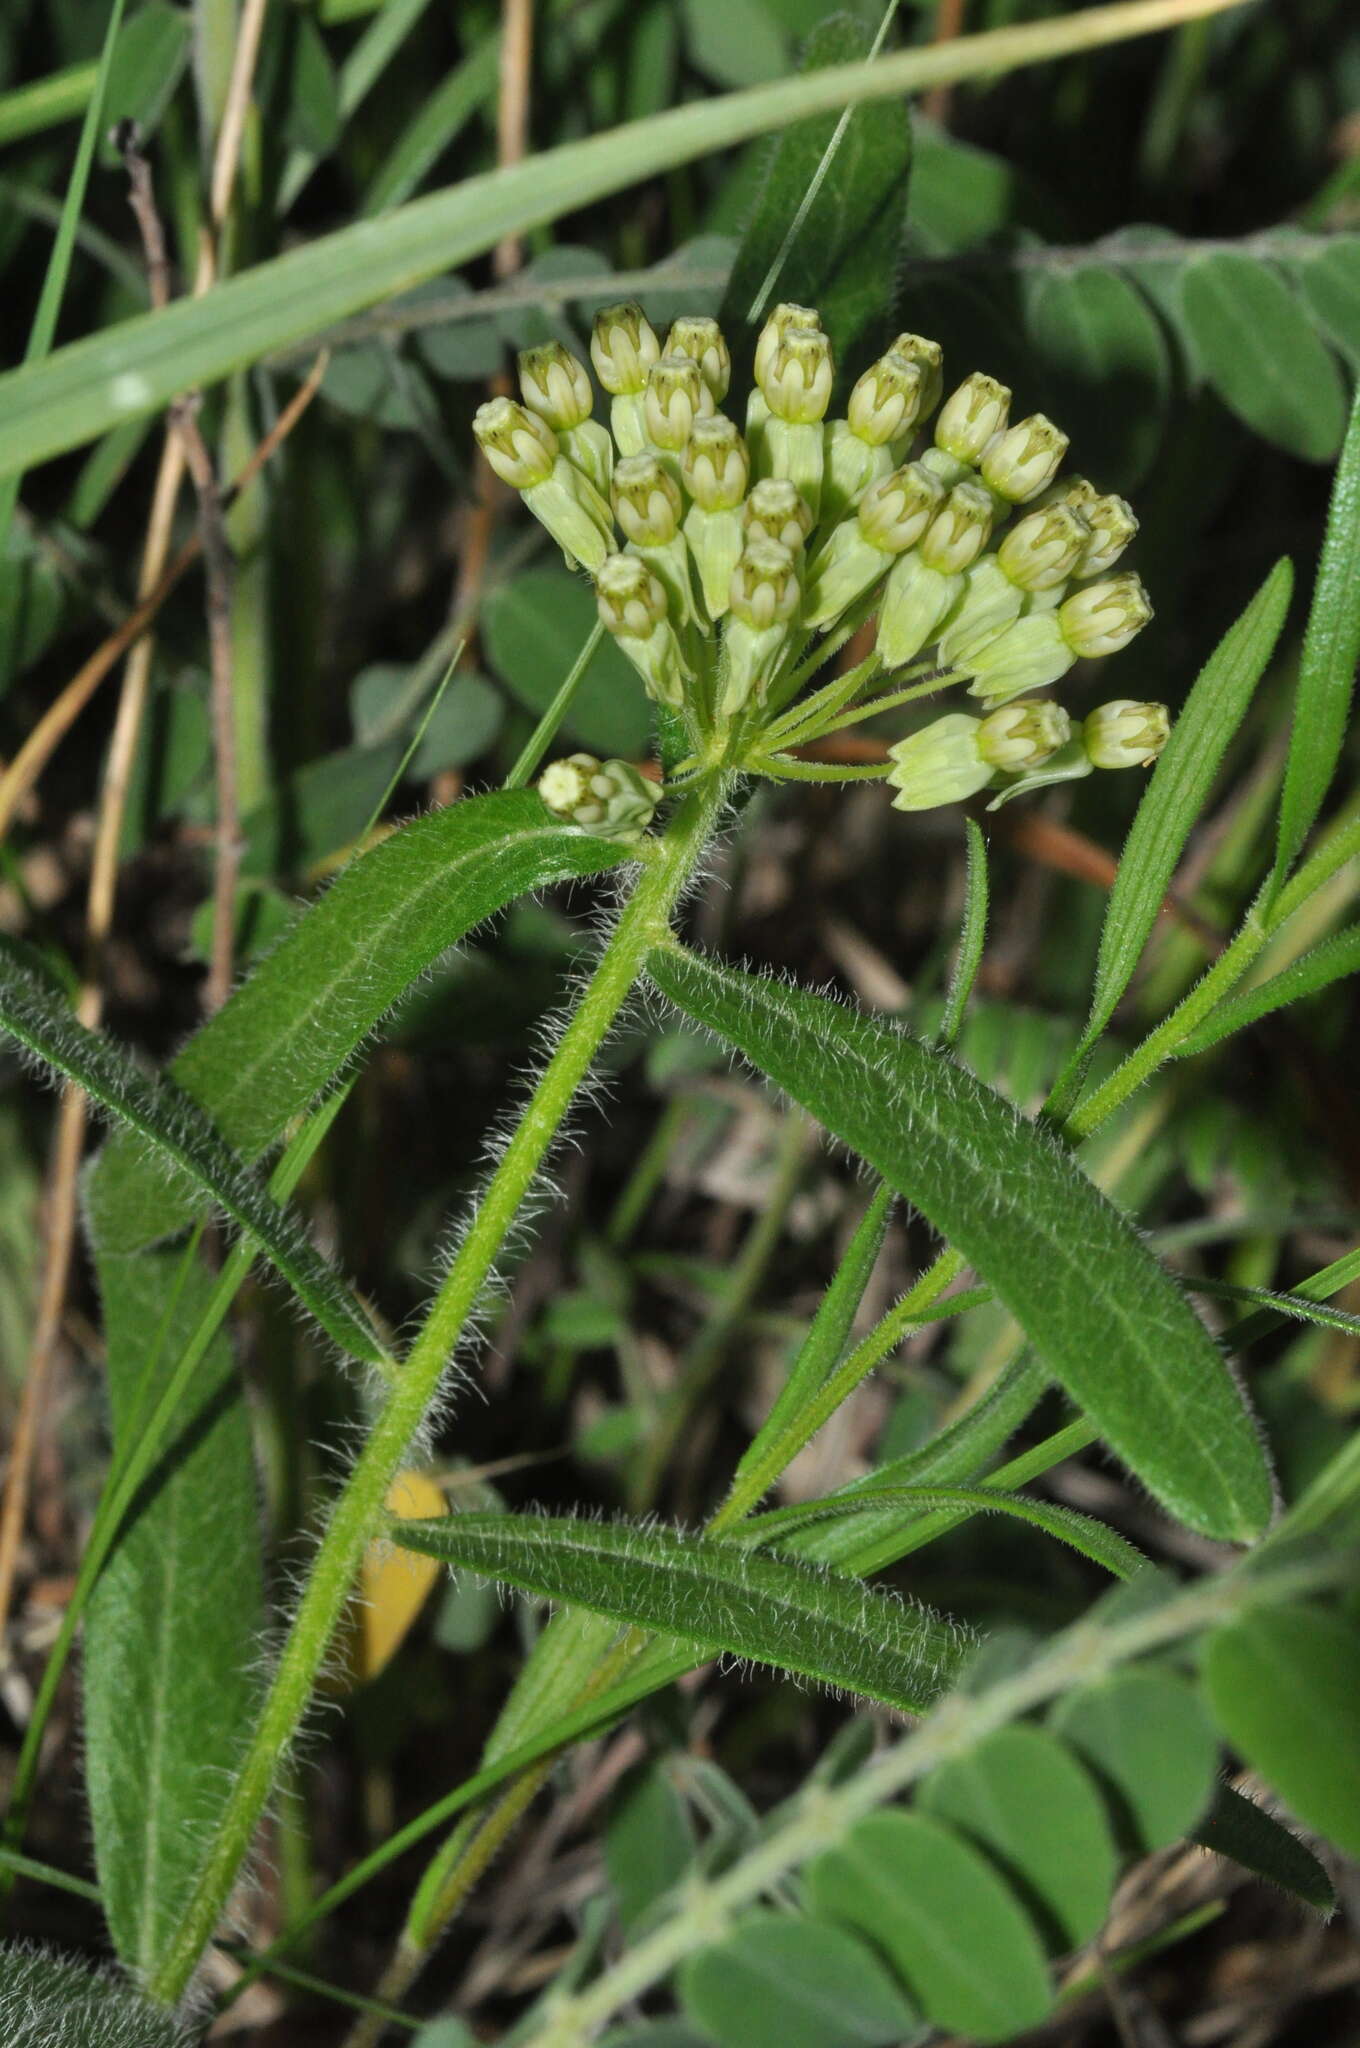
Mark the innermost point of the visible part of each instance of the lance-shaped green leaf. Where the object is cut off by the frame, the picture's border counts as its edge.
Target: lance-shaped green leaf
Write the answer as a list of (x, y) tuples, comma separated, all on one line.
[(189, 1146), (50, 2000), (1109, 1322), (1331, 650), (312, 1001), (718, 1596), (1316, 969), (172, 1630), (1238, 1828)]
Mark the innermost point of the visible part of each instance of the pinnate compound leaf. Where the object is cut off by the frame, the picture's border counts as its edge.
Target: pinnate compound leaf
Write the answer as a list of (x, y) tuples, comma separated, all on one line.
[(49, 2000), (1108, 1321), (172, 1630), (1178, 788), (1148, 1739), (187, 1145), (1314, 970), (945, 1920), (1238, 1828), (1260, 351), (782, 1980), (1283, 1683), (310, 1003), (1331, 651), (715, 1595)]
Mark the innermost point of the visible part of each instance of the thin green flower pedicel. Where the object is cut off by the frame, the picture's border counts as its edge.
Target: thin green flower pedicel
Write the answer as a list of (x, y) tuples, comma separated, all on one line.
[(730, 567)]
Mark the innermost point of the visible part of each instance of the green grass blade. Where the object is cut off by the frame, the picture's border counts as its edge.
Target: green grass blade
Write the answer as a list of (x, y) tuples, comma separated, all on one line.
[(718, 1596), (1331, 650), (1108, 1321), (1316, 969), (1082, 1532), (188, 1145), (138, 365), (359, 73), (334, 975), (972, 937)]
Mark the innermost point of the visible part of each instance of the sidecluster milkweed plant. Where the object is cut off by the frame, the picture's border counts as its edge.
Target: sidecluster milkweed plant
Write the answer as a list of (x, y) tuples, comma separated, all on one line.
[(751, 559)]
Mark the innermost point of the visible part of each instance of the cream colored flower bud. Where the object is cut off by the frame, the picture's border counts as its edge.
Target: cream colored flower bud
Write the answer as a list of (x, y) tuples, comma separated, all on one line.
[(520, 447), (1019, 463), (703, 341), (971, 416), (1124, 734), (764, 588), (715, 465), (776, 326), (1028, 655), (554, 384), (895, 512), (941, 764), (919, 349), (623, 347), (647, 501), (1113, 525), (886, 402), (959, 531), (1022, 736), (797, 381), (1105, 616), (675, 398), (776, 510), (608, 799), (1044, 548), (629, 597)]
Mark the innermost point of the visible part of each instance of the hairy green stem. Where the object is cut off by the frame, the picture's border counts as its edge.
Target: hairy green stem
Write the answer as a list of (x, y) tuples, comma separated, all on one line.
[(358, 1511)]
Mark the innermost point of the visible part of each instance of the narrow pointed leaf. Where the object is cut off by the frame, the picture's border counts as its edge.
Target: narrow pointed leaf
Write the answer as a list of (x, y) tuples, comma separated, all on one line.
[(1238, 1828), (172, 1630), (1331, 651), (1314, 970), (717, 1596), (972, 937), (1179, 787), (1108, 1321), (188, 1146), (333, 976)]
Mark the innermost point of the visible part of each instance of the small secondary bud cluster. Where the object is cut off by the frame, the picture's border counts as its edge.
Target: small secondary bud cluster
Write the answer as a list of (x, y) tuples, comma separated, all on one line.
[(724, 543)]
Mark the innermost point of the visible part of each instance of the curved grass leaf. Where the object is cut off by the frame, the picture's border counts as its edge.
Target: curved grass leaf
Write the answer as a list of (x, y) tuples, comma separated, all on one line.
[(1316, 969), (1108, 1321), (1082, 1532), (1331, 650), (137, 366), (1261, 353), (172, 1628), (49, 2000), (718, 1596), (1178, 788), (1238, 1828), (188, 1145), (336, 972)]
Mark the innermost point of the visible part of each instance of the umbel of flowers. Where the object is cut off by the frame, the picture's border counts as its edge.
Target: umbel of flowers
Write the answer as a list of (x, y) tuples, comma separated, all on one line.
[(732, 561)]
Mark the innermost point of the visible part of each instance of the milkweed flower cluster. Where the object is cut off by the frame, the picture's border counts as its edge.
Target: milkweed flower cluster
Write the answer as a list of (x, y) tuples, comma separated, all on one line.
[(731, 561)]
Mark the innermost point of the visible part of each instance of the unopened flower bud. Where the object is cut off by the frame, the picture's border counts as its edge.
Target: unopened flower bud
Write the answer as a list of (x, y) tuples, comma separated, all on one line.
[(797, 378), (989, 604), (1044, 548), (892, 515), (941, 764), (634, 608), (647, 501), (776, 510), (781, 318), (1105, 616), (959, 531), (554, 384), (919, 349), (886, 402), (971, 416), (520, 447), (895, 512), (702, 340), (623, 347), (1022, 736), (764, 583), (1019, 463), (1113, 525), (676, 396), (916, 601), (714, 465), (1123, 734), (1028, 655), (608, 799)]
